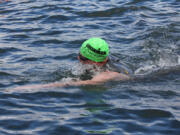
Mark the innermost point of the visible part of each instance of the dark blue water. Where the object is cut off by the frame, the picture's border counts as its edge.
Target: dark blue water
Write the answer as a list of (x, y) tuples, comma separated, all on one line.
[(39, 44)]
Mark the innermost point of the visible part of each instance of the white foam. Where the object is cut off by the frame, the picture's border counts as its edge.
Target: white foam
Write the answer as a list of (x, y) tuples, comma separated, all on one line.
[(79, 69), (169, 61), (145, 69)]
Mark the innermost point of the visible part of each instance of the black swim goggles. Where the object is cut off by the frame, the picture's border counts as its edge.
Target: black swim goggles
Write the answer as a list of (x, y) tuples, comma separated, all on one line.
[(82, 58), (86, 59)]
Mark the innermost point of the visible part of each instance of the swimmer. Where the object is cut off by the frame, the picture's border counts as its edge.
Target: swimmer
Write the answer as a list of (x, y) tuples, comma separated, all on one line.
[(93, 51)]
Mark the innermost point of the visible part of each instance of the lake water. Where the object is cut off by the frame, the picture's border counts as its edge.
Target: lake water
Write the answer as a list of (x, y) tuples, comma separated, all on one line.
[(39, 44)]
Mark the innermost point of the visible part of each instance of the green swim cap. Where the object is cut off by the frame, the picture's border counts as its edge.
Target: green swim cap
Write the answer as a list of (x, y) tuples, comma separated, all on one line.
[(95, 49)]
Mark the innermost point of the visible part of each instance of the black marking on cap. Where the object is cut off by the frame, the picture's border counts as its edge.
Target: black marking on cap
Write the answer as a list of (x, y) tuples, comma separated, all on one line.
[(96, 51)]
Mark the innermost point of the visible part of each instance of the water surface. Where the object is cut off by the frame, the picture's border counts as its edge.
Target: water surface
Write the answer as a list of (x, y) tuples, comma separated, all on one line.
[(39, 44)]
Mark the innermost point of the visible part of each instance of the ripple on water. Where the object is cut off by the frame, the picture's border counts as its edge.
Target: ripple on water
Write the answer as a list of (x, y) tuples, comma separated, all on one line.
[(39, 43)]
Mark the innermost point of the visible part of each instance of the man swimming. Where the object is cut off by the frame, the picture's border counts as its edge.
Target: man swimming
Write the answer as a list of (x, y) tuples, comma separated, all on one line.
[(94, 51)]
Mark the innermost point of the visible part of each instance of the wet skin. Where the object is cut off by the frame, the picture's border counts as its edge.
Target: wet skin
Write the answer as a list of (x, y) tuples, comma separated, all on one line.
[(100, 78)]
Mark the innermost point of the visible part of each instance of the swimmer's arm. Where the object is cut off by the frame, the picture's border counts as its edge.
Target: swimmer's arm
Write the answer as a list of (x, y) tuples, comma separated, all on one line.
[(97, 79), (102, 78)]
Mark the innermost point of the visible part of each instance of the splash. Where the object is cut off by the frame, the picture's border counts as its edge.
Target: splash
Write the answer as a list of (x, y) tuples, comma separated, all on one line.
[(162, 52), (80, 69)]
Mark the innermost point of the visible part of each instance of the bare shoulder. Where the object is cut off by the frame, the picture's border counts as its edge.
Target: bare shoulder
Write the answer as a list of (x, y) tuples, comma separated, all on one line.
[(110, 75)]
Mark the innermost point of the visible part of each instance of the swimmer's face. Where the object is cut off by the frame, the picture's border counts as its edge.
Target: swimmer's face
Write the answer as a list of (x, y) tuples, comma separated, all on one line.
[(84, 60)]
